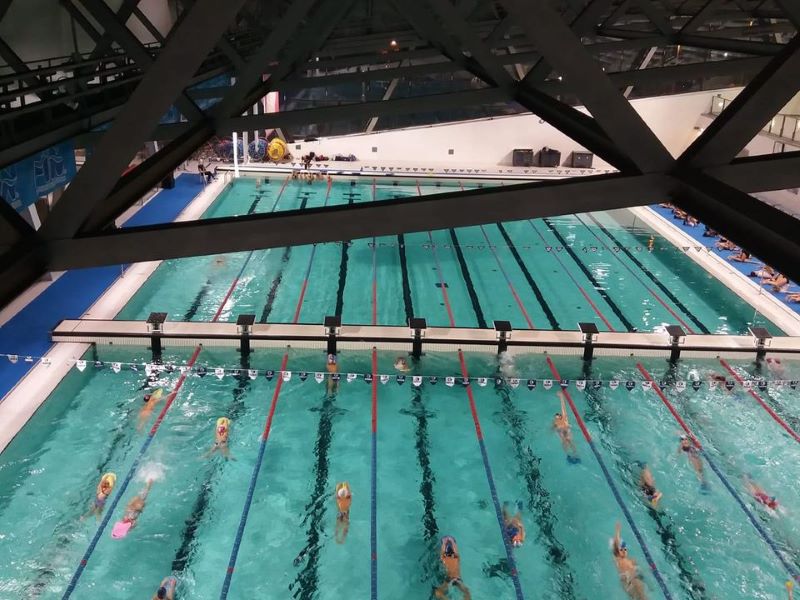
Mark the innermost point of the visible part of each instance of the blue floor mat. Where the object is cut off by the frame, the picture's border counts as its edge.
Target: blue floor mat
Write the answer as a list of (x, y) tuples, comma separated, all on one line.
[(28, 332), (745, 268)]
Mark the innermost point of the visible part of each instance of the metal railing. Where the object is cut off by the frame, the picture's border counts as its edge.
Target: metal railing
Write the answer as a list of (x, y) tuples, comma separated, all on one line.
[(786, 126)]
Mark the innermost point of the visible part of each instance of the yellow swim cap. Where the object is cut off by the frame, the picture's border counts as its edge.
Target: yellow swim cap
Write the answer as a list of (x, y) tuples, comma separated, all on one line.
[(110, 478), (223, 422)]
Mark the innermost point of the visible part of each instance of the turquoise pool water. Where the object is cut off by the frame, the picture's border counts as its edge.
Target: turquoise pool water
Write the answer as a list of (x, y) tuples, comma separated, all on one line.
[(431, 476)]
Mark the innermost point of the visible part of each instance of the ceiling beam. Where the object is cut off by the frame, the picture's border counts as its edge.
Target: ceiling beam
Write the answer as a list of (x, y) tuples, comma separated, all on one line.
[(760, 173), (614, 114), (740, 122), (763, 230), (707, 42), (162, 83), (291, 228)]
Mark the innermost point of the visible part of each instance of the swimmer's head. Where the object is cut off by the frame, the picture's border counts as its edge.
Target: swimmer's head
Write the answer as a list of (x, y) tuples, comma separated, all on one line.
[(146, 398), (331, 359), (161, 593), (448, 548), (342, 493)]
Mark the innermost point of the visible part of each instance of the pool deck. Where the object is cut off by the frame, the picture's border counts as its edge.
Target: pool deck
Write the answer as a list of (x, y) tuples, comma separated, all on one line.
[(98, 293), (733, 275)]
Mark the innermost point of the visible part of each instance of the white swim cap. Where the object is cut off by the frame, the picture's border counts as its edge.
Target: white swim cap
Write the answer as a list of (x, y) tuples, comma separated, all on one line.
[(342, 492)]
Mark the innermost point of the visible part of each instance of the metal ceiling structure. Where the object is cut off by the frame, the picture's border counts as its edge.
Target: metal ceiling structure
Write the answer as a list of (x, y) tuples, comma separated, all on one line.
[(511, 56)]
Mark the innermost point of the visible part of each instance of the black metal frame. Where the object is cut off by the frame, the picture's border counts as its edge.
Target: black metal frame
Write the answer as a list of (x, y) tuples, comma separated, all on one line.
[(476, 37)]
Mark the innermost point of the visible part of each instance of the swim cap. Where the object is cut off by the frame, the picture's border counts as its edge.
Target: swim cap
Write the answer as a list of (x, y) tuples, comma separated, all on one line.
[(222, 423), (109, 478), (162, 592), (342, 492), (623, 545), (121, 529), (146, 398)]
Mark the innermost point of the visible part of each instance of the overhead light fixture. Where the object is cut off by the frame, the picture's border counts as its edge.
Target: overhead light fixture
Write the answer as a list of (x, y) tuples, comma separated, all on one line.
[(393, 43), (560, 78)]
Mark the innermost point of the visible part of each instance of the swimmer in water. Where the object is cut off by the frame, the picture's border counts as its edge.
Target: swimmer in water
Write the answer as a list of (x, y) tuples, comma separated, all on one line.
[(344, 498), (626, 566), (166, 590), (775, 367), (514, 529), (221, 434), (651, 243), (103, 491), (132, 513), (647, 484), (401, 364), (561, 426), (451, 561), (761, 496), (688, 448), (150, 401), (332, 367), (790, 589)]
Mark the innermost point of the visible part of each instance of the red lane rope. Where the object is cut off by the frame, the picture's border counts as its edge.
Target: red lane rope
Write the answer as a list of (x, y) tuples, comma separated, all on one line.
[(763, 404), (669, 406)]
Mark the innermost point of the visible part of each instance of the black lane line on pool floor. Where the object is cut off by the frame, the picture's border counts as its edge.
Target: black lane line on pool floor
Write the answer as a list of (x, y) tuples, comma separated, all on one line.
[(473, 296), (767, 522), (276, 281), (317, 507), (198, 299), (539, 503), (673, 298), (183, 554), (407, 301), (687, 570), (343, 271), (551, 318), (599, 288)]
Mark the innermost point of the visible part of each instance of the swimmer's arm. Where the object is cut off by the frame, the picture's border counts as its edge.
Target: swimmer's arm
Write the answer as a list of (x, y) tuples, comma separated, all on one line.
[(617, 536)]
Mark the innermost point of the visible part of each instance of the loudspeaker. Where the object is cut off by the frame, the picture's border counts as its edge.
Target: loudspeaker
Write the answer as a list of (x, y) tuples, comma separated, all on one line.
[(168, 182), (582, 160), (522, 157), (549, 157)]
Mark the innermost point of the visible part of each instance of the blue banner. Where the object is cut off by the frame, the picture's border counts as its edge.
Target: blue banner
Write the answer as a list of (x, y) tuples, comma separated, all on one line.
[(23, 183)]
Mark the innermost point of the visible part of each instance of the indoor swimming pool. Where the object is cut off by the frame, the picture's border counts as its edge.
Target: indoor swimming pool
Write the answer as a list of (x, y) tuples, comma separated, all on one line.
[(424, 458)]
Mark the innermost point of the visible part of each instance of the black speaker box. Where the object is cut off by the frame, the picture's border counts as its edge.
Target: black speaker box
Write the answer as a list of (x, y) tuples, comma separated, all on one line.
[(549, 157), (582, 160), (522, 157)]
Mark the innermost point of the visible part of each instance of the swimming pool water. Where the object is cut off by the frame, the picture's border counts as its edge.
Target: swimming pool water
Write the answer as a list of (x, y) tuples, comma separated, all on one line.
[(431, 477)]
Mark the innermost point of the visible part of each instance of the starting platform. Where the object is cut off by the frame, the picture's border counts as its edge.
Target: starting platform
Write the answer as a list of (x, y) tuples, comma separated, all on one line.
[(417, 337)]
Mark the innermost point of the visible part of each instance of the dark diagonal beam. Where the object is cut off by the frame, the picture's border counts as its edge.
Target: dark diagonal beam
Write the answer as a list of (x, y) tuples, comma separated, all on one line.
[(391, 217), (131, 44), (701, 17), (163, 82), (656, 16), (82, 21), (791, 8), (760, 173), (763, 230), (122, 15), (151, 29), (608, 107), (741, 121)]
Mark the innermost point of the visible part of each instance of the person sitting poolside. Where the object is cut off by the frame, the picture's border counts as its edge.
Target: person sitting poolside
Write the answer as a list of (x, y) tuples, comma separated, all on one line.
[(647, 484), (779, 283), (166, 590), (763, 273), (710, 232), (451, 561), (626, 567), (741, 256), (793, 297), (725, 244), (690, 221)]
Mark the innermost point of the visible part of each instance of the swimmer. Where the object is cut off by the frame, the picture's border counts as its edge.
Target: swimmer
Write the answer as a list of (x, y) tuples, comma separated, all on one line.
[(651, 243), (789, 589), (514, 529), (765, 272), (104, 489), (688, 447), (401, 364), (775, 367), (150, 400), (344, 498), (561, 426), (779, 283), (626, 566), (741, 256), (451, 561), (759, 494), (793, 297), (221, 434), (332, 366), (647, 484), (166, 590), (132, 513)]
